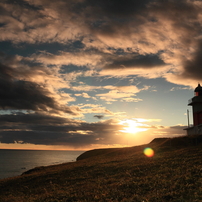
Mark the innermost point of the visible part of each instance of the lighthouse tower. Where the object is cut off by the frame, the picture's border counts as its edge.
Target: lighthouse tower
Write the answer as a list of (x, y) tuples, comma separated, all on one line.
[(196, 103)]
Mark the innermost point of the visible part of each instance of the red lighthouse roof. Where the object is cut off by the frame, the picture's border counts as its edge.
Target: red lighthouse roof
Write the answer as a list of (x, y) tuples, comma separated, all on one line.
[(198, 90)]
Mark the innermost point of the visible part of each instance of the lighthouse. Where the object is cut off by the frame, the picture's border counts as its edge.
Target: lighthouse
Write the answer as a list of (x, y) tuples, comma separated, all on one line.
[(196, 103)]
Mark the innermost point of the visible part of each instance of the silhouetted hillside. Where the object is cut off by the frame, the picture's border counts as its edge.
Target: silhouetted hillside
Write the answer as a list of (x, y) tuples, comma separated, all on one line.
[(111, 152), (182, 141), (157, 143)]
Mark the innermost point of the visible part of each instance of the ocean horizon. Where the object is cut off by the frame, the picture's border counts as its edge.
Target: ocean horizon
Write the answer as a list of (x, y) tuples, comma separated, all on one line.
[(14, 162)]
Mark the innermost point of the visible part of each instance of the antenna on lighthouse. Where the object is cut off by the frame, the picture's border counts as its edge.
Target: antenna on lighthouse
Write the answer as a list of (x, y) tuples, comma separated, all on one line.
[(188, 117)]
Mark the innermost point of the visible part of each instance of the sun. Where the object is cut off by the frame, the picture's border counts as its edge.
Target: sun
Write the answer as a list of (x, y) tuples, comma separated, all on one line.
[(132, 126)]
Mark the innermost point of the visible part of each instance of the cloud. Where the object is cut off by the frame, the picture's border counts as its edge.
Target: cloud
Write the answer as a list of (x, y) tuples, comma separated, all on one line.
[(110, 18), (180, 88), (52, 130), (115, 8), (31, 118), (120, 92), (66, 58), (24, 95), (113, 95), (38, 21), (141, 61), (43, 129), (128, 89), (193, 65), (129, 99), (19, 90), (100, 40), (168, 131), (149, 35), (94, 108), (24, 68), (84, 87), (102, 63), (85, 95), (99, 116), (190, 70)]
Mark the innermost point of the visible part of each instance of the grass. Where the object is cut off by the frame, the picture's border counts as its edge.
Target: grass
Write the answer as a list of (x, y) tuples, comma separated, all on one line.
[(174, 173)]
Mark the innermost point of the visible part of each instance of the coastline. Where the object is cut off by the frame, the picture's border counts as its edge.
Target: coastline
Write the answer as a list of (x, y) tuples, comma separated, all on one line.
[(122, 174), (15, 162)]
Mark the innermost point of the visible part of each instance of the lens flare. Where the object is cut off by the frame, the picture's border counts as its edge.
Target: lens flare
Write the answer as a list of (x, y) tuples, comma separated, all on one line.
[(149, 152)]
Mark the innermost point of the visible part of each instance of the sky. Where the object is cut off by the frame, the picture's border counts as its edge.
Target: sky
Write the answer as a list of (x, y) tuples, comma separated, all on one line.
[(86, 74)]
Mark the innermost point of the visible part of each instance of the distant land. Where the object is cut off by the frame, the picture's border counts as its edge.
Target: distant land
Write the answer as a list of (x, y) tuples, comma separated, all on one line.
[(174, 173)]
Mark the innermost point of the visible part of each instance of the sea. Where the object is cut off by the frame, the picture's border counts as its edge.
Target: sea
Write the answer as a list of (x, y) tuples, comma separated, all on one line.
[(15, 162)]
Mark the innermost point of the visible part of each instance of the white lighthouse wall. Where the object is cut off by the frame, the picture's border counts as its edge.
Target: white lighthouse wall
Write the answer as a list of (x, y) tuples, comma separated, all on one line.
[(195, 130)]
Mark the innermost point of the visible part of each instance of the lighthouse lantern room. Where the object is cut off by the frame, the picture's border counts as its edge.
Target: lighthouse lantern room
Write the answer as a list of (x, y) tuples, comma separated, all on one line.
[(196, 103)]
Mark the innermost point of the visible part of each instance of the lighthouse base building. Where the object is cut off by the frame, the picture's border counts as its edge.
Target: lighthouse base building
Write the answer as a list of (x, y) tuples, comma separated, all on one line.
[(196, 103), (194, 130)]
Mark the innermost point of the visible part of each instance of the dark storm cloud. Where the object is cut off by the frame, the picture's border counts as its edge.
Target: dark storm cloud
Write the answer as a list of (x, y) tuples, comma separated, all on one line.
[(34, 137), (15, 67), (99, 116), (184, 16), (44, 122), (186, 8), (118, 8), (24, 95), (114, 17), (52, 130), (54, 138), (193, 66), (37, 122), (111, 18), (141, 61), (33, 118), (104, 17), (18, 93)]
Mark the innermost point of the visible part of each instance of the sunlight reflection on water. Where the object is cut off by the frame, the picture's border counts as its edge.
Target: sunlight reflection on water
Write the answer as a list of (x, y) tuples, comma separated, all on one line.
[(15, 162)]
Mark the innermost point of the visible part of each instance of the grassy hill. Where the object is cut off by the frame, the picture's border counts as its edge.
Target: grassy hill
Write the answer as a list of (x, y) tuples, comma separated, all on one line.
[(174, 173)]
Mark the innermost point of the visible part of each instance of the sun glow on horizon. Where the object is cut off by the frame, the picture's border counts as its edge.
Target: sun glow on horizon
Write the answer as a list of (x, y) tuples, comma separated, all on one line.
[(133, 126)]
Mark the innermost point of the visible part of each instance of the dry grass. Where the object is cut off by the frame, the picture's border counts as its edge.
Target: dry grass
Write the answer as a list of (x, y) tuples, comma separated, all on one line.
[(173, 174)]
